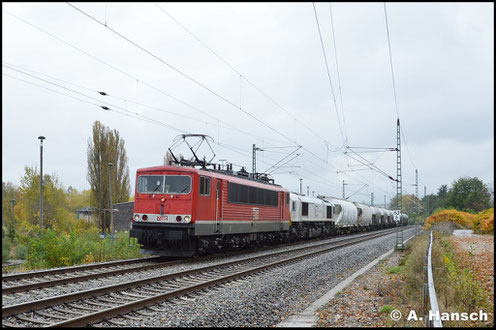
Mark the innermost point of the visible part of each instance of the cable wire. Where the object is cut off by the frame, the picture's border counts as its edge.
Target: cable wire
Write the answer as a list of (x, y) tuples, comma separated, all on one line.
[(328, 72), (182, 73)]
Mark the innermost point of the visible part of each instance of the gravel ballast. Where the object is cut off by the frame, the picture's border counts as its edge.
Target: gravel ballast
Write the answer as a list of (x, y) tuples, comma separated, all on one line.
[(269, 298)]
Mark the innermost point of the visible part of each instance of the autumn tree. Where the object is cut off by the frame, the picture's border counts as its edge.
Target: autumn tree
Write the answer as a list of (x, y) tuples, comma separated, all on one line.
[(55, 208), (10, 196), (104, 147), (76, 199)]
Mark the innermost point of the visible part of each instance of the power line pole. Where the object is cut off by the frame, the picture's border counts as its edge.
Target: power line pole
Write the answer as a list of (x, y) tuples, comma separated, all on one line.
[(416, 191), (344, 184), (399, 194), (111, 206), (425, 201), (416, 183), (384, 201), (372, 198), (301, 187), (41, 181), (254, 158)]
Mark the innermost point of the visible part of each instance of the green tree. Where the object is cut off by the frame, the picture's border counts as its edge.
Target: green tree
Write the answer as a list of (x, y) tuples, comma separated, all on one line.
[(106, 146), (469, 194)]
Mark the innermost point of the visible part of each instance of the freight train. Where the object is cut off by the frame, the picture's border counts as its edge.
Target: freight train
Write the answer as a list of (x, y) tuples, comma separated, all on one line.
[(185, 211)]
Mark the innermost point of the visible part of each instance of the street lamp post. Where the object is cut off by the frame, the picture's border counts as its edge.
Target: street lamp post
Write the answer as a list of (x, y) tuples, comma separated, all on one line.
[(111, 204), (41, 181), (13, 204)]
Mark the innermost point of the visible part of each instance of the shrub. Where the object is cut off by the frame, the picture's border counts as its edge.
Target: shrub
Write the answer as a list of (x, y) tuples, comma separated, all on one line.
[(386, 309), (484, 221), (463, 219), (5, 250), (394, 269), (53, 249), (21, 251)]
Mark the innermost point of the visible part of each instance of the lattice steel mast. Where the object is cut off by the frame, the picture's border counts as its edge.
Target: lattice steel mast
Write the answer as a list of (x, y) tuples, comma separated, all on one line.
[(399, 194)]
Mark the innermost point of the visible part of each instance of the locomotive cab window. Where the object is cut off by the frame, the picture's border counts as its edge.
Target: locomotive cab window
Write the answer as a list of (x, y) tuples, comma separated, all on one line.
[(177, 184), (168, 184), (151, 184), (304, 208), (329, 212), (204, 185)]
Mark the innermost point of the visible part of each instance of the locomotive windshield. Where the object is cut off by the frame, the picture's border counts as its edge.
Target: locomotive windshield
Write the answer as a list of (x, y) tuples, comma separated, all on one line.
[(165, 184)]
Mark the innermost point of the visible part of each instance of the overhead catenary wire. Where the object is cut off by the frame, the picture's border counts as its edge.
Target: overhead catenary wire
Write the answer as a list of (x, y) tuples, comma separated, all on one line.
[(202, 85), (140, 81), (394, 84), (123, 72), (183, 74), (131, 76), (337, 71), (106, 108), (137, 103), (243, 77), (111, 108), (328, 73), (155, 122)]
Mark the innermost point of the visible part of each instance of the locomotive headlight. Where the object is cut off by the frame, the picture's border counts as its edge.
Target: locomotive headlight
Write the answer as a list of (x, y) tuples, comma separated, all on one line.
[(136, 217), (187, 219)]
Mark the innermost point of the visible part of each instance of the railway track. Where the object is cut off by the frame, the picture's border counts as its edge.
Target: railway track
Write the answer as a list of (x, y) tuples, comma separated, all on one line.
[(104, 303), (21, 282), (52, 277)]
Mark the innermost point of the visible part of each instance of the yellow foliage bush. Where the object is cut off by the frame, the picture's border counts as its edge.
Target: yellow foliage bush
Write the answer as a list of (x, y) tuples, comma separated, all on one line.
[(484, 221), (463, 219), (89, 258)]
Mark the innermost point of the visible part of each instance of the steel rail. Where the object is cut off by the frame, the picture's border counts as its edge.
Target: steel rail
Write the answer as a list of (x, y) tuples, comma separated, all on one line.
[(47, 302), (47, 272), (84, 277)]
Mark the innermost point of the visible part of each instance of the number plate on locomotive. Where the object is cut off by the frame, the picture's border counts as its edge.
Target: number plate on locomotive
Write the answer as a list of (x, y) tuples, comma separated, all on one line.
[(162, 218)]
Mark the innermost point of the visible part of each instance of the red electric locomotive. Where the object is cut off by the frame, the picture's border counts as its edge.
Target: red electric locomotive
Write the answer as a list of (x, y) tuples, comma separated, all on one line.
[(184, 211)]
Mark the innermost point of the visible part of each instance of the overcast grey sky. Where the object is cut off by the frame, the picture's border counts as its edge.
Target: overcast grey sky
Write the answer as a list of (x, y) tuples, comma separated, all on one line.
[(262, 80)]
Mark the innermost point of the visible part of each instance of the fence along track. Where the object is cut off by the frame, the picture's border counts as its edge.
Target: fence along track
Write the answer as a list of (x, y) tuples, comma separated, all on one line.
[(430, 290), (158, 289)]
